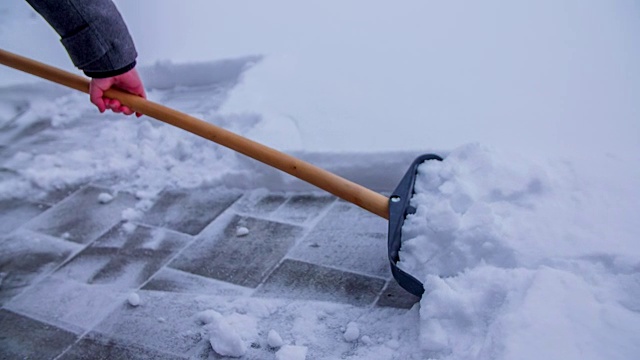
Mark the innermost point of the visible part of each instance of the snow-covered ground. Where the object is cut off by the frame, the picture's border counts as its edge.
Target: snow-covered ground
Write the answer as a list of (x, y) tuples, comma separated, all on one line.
[(525, 235)]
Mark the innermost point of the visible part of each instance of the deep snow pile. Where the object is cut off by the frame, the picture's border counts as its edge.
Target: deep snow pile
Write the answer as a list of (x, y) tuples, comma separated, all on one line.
[(517, 265)]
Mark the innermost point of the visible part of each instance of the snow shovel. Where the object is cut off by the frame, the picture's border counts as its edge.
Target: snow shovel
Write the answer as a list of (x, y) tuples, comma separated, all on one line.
[(394, 208)]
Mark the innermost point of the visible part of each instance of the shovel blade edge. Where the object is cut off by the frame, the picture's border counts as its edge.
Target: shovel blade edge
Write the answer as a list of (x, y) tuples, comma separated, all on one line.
[(399, 208)]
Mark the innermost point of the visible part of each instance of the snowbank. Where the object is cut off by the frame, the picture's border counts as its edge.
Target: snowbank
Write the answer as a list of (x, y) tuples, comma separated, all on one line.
[(516, 265)]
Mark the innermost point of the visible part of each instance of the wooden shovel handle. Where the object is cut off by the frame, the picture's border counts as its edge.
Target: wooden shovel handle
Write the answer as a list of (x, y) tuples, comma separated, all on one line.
[(334, 184)]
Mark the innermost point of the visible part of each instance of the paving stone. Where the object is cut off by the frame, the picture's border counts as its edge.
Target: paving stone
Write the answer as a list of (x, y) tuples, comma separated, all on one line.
[(26, 256), (172, 280), (269, 203), (81, 217), (164, 321), (25, 338), (260, 203), (347, 238), (99, 347), (301, 280), (16, 132), (55, 196), (16, 212), (124, 259), (189, 211), (67, 304), (395, 296), (304, 207), (241, 260)]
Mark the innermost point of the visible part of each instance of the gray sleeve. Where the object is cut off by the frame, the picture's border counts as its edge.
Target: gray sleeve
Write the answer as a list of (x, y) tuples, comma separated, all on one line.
[(93, 33)]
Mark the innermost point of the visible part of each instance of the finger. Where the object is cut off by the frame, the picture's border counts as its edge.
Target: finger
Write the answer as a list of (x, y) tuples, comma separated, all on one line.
[(111, 105), (126, 110), (115, 105), (95, 95)]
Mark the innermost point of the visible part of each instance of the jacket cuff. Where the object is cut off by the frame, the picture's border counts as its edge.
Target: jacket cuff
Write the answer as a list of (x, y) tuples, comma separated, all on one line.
[(84, 47), (111, 73)]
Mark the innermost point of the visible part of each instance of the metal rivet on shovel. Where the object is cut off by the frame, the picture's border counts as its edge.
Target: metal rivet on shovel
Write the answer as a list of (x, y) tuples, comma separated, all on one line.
[(395, 208)]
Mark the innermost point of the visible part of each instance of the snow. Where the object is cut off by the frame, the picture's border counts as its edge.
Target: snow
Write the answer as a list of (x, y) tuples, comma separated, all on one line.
[(510, 249), (352, 333), (525, 236), (105, 198), (207, 316), (134, 299), (130, 214), (242, 231), (292, 352), (229, 334), (224, 339), (274, 339)]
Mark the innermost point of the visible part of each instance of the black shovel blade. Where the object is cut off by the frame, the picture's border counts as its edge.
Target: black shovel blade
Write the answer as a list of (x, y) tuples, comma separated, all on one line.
[(399, 208)]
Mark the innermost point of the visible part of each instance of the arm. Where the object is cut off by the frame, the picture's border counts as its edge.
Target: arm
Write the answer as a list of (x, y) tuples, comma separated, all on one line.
[(98, 42)]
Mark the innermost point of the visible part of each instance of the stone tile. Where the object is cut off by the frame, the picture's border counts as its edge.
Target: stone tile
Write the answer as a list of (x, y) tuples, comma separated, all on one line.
[(241, 260), (55, 196), (347, 238), (99, 347), (304, 207), (67, 304), (164, 321), (17, 212), (25, 338), (172, 280), (395, 296), (82, 218), (17, 131), (260, 203), (300, 280), (124, 259), (25, 257), (189, 211), (269, 203)]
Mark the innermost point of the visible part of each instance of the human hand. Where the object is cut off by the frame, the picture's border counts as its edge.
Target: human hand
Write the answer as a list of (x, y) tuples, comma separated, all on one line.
[(129, 82)]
